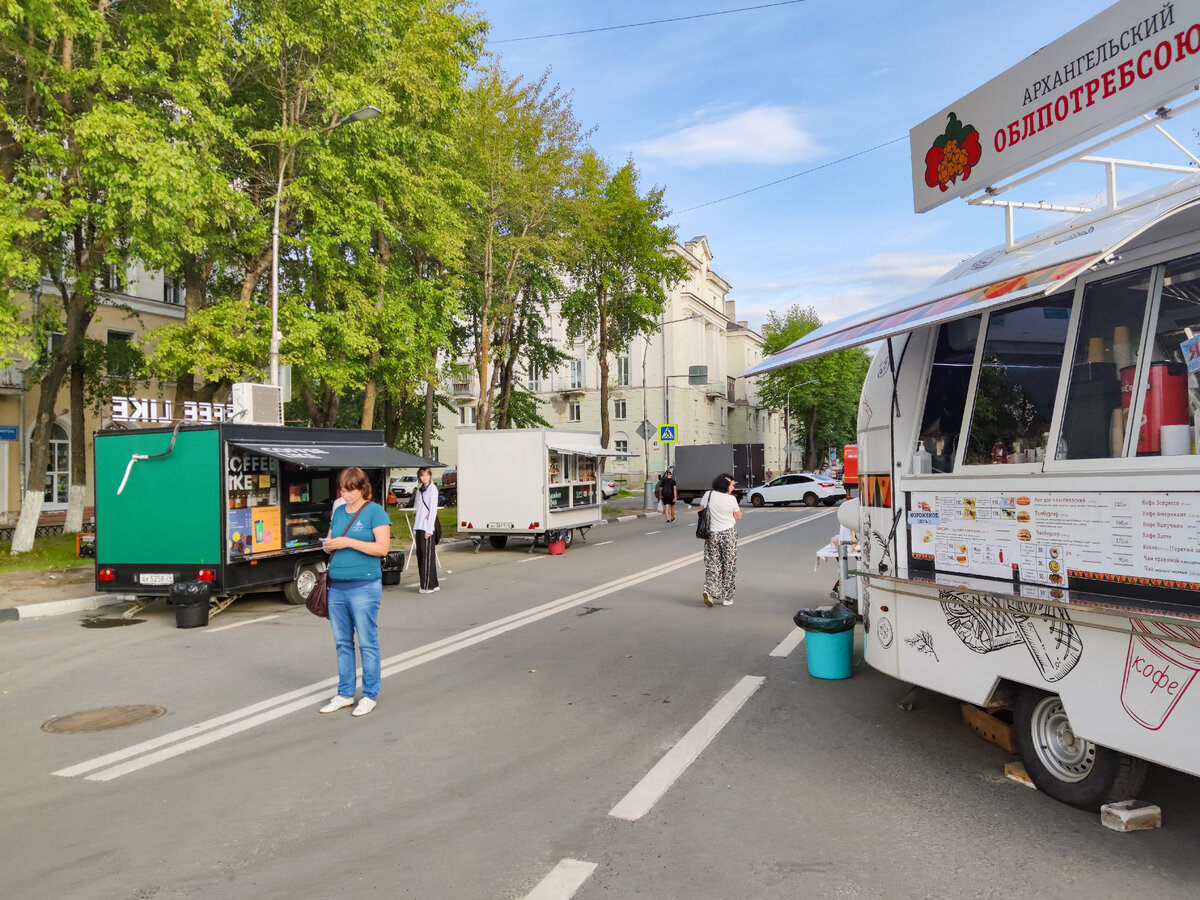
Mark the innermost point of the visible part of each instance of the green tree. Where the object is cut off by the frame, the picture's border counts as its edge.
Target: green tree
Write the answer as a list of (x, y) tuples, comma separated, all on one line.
[(521, 145), (824, 391), (102, 107), (621, 265)]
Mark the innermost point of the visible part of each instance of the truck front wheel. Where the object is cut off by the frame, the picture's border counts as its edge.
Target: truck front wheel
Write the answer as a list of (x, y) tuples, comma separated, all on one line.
[(296, 591), (1066, 766)]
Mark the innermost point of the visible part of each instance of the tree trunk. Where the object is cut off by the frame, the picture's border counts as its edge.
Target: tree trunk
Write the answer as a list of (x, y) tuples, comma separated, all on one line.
[(74, 521), (367, 421), (78, 316), (602, 348), (427, 430), (195, 286)]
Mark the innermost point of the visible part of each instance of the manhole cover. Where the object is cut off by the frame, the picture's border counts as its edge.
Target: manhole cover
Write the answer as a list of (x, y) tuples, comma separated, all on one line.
[(102, 719), (101, 622)]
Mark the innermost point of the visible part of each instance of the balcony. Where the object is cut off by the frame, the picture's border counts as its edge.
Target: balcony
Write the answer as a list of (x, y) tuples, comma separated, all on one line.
[(716, 389), (461, 389), (12, 378)]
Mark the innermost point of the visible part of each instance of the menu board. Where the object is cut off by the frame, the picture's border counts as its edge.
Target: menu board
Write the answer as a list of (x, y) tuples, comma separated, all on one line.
[(1048, 538)]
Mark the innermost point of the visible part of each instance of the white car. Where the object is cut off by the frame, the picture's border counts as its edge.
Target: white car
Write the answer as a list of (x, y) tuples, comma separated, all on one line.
[(608, 488), (404, 486), (798, 487)]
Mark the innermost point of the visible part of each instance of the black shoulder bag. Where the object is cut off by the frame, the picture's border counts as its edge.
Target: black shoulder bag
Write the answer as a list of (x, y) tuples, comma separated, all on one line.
[(702, 518)]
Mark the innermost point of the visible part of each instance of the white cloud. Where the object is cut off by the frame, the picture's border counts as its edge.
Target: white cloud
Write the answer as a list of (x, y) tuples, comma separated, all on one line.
[(765, 134)]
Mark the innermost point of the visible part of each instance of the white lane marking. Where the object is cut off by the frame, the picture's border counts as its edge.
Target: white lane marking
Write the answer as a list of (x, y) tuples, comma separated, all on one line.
[(667, 770), (531, 559), (240, 624), (601, 544), (789, 643), (563, 881), (209, 731), (654, 532)]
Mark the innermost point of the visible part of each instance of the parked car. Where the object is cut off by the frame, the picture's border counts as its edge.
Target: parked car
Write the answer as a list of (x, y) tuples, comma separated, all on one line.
[(403, 486), (800, 487), (608, 488), (448, 487)]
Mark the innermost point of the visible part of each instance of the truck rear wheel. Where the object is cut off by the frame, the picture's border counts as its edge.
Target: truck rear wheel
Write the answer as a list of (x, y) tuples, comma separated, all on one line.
[(498, 541), (810, 499), (1068, 767), (296, 591)]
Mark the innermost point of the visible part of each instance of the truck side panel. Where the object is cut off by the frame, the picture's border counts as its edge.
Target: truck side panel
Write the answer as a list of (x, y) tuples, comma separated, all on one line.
[(501, 478), (170, 508)]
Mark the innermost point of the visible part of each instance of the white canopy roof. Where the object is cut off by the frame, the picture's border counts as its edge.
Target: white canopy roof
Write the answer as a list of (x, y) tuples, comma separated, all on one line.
[(997, 278)]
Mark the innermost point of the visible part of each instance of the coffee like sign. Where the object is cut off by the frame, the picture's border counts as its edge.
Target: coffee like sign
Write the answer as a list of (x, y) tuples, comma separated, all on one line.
[(162, 412)]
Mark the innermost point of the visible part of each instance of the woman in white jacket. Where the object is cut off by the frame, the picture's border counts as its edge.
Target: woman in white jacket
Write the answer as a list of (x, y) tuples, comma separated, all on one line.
[(720, 547)]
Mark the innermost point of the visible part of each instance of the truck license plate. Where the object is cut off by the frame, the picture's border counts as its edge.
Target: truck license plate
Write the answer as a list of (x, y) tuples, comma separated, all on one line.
[(499, 524), (156, 578)]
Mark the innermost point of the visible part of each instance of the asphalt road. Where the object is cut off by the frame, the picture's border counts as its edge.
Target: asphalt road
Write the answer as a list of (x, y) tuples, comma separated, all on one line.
[(522, 705)]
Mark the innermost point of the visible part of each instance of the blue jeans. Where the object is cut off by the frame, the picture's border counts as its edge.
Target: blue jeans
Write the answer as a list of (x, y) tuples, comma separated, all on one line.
[(354, 607)]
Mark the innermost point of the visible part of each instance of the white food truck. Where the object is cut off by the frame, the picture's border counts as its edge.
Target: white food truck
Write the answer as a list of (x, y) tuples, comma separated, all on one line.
[(1028, 442), (542, 483)]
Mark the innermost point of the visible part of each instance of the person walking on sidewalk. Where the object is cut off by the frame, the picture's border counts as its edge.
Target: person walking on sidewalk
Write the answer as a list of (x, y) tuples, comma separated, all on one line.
[(720, 546), (424, 530), (669, 491), (364, 532)]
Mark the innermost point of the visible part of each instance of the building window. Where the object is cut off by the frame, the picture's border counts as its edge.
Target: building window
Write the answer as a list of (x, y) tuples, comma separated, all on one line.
[(173, 289), (54, 342), (573, 412), (576, 373), (621, 446), (623, 371), (463, 414), (618, 409), (535, 379), (119, 337), (711, 412), (58, 467), (730, 387)]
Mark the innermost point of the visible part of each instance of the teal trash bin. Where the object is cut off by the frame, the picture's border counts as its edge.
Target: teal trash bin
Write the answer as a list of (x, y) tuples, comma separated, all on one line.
[(829, 641)]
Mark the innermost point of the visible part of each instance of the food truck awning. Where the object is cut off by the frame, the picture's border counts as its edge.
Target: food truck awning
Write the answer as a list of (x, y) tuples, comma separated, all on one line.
[(337, 456), (582, 447), (997, 278)]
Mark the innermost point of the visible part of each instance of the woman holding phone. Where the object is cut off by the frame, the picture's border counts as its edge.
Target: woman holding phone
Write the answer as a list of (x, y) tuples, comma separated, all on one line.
[(364, 533)]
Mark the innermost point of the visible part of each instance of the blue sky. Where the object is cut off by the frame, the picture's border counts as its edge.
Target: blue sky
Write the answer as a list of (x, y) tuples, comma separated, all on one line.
[(714, 106)]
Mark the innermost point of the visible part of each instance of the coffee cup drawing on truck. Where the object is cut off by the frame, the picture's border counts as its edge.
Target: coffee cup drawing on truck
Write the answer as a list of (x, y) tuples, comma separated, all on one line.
[(1051, 382)]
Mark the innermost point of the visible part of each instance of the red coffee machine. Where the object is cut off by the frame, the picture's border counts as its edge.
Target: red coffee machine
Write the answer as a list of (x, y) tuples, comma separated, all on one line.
[(1166, 401)]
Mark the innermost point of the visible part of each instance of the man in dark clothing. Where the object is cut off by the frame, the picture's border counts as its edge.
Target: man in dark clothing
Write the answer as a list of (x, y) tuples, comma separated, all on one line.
[(668, 492)]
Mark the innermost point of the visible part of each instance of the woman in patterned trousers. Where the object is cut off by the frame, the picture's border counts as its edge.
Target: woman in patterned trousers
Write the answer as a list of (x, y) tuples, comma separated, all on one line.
[(720, 547)]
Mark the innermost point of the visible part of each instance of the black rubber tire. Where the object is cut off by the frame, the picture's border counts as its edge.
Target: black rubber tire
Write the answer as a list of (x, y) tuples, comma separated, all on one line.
[(811, 499), (756, 500), (296, 592), (1102, 775), (570, 536), (498, 541)]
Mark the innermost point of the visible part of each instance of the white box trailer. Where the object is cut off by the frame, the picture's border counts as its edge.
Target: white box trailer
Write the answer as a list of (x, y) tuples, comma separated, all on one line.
[(529, 482), (1029, 467)]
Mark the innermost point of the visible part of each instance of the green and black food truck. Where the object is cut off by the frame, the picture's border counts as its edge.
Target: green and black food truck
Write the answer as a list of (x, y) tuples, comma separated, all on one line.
[(242, 507)]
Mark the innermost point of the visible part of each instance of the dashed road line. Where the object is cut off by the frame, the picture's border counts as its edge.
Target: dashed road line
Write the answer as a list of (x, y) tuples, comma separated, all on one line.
[(667, 770), (240, 624), (789, 643), (563, 881)]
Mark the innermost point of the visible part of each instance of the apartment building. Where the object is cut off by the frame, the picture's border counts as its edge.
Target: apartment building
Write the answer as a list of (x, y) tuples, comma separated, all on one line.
[(128, 308), (649, 381)]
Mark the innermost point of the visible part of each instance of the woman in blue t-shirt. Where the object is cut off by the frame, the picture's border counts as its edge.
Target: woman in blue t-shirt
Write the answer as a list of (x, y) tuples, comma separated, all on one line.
[(363, 533)]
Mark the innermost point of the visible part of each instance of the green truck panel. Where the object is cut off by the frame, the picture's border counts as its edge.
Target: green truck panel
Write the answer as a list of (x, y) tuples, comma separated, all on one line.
[(170, 508)]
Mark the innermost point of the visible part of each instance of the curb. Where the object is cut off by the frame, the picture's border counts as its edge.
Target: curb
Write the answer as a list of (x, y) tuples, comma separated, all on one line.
[(624, 519), (61, 607)]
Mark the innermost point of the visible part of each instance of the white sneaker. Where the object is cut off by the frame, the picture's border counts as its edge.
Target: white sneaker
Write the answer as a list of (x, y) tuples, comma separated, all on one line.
[(708, 599), (338, 702), (424, 590), (727, 602), (365, 705)]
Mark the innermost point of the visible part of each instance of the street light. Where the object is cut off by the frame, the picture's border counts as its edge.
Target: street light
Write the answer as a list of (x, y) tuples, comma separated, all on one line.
[(787, 419), (367, 112)]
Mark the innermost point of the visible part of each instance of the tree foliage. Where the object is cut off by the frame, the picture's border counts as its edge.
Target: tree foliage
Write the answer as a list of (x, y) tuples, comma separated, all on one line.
[(620, 265), (823, 392)]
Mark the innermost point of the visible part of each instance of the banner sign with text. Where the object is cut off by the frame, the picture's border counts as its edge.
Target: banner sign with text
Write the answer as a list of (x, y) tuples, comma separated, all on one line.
[(1128, 60)]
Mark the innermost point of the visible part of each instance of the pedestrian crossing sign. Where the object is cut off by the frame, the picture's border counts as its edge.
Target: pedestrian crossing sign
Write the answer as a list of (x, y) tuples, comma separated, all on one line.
[(666, 434)]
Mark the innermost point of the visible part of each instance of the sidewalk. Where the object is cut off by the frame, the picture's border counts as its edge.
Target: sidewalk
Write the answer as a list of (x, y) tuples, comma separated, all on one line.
[(51, 592)]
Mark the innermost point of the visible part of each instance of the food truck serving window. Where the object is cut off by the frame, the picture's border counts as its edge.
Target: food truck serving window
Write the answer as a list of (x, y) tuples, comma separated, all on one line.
[(1018, 380), (941, 422)]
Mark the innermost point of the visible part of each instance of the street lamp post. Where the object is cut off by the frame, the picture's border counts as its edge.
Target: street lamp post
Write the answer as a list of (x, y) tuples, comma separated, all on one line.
[(662, 336), (787, 420), (367, 112), (648, 487)]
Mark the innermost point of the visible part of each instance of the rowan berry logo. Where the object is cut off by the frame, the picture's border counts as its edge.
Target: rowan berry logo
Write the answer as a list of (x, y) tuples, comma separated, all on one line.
[(952, 155)]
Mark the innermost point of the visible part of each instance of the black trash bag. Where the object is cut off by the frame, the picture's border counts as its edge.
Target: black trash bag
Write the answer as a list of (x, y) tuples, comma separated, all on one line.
[(190, 593), (827, 621), (394, 560)]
